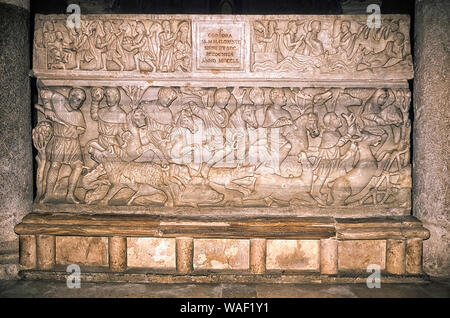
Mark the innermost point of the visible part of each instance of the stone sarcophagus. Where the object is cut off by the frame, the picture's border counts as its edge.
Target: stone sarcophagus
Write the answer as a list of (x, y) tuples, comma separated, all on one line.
[(196, 144)]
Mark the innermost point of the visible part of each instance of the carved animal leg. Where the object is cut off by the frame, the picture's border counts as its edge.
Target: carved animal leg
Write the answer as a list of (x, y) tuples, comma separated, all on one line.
[(142, 190), (111, 193), (168, 192)]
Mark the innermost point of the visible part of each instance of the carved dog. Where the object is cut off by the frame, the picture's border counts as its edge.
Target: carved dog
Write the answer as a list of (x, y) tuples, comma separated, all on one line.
[(273, 187), (142, 177)]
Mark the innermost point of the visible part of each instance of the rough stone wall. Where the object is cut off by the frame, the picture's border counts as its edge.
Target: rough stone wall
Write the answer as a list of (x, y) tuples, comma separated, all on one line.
[(16, 175), (431, 144)]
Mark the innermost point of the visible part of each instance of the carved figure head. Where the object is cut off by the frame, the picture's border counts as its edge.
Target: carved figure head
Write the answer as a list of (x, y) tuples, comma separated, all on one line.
[(49, 27), (257, 96), (46, 96), (166, 96), (166, 26), (381, 96), (221, 97), (112, 96), (186, 120), (316, 26), (292, 27), (399, 38), (277, 97), (77, 96), (332, 121), (140, 28), (139, 118), (272, 27), (345, 26)]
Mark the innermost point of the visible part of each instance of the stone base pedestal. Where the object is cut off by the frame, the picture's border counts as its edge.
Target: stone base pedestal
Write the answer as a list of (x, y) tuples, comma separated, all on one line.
[(175, 249)]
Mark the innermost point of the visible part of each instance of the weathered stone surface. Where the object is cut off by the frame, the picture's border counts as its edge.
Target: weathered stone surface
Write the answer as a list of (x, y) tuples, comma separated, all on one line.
[(117, 248), (358, 255), (140, 46), (90, 251), (329, 256), (185, 254), (221, 254), (16, 163), (45, 252), (151, 252), (396, 256), (293, 255), (431, 195)]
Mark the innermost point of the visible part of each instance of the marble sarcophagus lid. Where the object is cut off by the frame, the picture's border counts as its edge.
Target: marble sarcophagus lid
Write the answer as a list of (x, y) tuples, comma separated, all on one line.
[(212, 117)]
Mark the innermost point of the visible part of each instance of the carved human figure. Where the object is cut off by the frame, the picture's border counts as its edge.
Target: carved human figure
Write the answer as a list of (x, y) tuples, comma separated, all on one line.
[(215, 119), (112, 121), (267, 39), (345, 40), (144, 52), (53, 41), (159, 118), (288, 42), (81, 45), (109, 46), (167, 40), (138, 142), (312, 46), (68, 123), (371, 110), (182, 48), (276, 121), (329, 162), (393, 53)]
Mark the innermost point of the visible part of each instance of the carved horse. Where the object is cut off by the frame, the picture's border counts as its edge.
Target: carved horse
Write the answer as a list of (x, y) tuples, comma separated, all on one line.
[(359, 177), (297, 134)]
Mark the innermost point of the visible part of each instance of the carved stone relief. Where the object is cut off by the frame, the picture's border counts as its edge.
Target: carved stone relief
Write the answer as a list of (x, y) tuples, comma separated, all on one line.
[(235, 146), (113, 44), (316, 47), (330, 46)]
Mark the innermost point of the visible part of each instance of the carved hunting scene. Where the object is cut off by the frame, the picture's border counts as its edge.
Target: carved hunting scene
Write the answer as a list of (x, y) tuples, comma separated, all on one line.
[(236, 146)]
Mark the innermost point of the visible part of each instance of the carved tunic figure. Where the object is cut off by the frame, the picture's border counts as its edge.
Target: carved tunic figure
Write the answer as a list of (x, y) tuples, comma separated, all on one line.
[(144, 51), (110, 47), (68, 124), (166, 39), (182, 49), (111, 120), (160, 119), (276, 120)]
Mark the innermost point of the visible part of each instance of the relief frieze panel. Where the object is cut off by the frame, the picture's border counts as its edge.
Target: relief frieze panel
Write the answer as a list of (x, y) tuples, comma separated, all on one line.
[(223, 147), (244, 47), (331, 45), (103, 43)]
